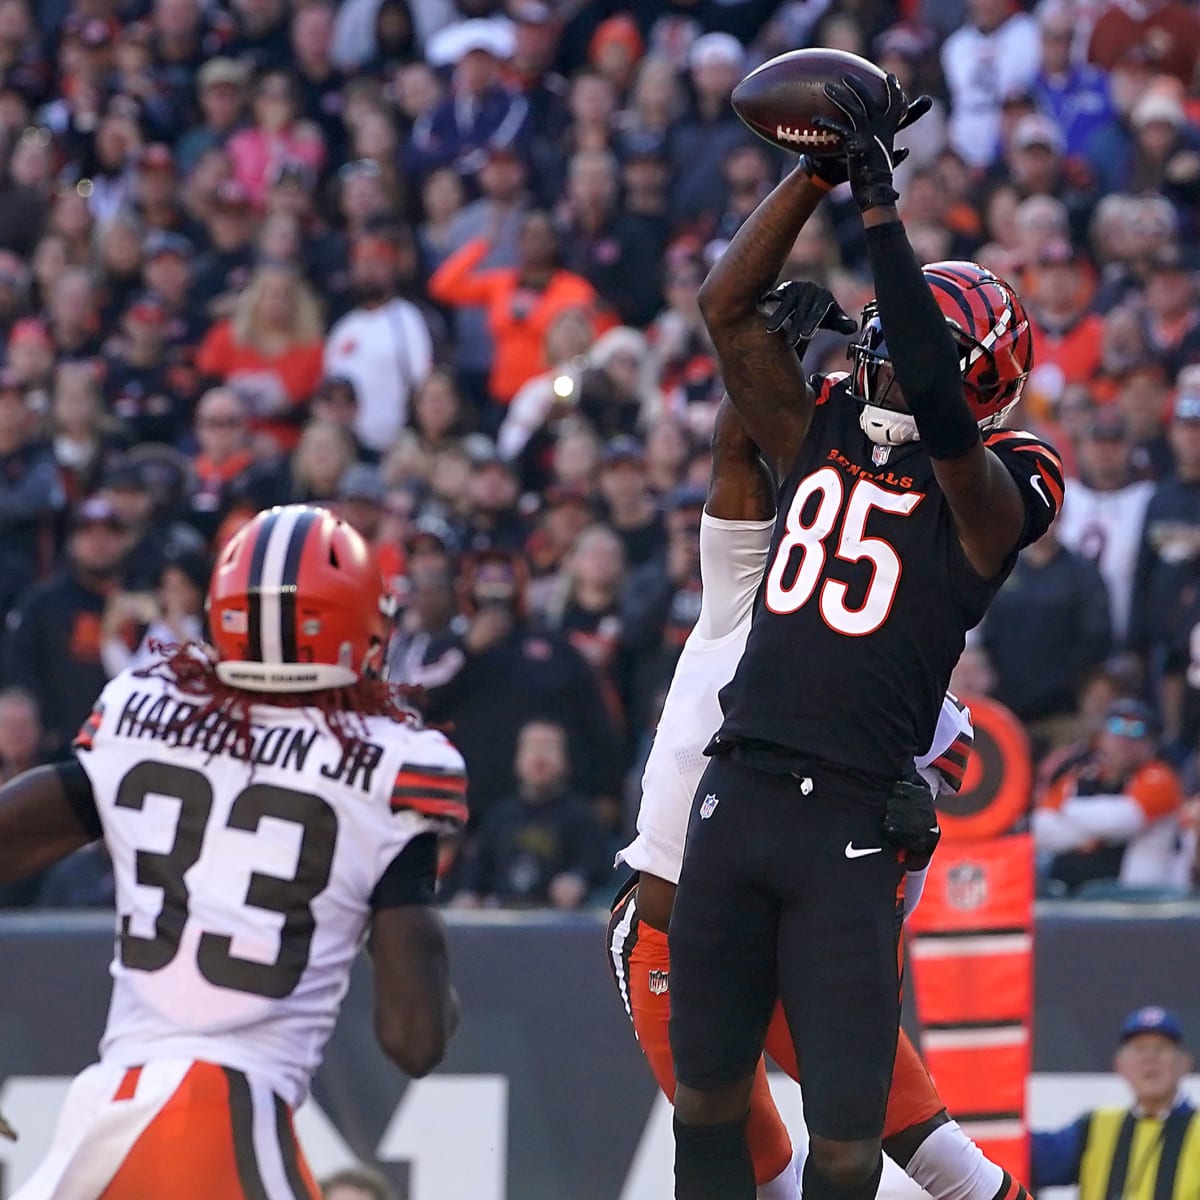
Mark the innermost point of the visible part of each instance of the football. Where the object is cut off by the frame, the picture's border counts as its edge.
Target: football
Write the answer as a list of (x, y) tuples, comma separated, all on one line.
[(779, 100)]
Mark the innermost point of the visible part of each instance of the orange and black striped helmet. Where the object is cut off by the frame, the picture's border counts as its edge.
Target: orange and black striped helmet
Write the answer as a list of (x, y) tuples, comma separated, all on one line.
[(296, 603), (989, 325)]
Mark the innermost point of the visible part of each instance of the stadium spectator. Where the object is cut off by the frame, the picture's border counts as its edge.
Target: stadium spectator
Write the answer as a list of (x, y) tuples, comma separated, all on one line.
[(1169, 554), (540, 846), (279, 132), (1113, 815), (1138, 1147), (139, 497), (431, 611), (662, 600), (383, 345), (1047, 628), (269, 351), (21, 735), (1104, 509), (85, 436), (1068, 339), (323, 455), (990, 58), (521, 301), (630, 508), (586, 607), (605, 245), (543, 402), (1076, 94), (491, 520), (706, 135), (502, 653), (135, 622), (221, 94), (479, 110), (52, 635), (1163, 33)]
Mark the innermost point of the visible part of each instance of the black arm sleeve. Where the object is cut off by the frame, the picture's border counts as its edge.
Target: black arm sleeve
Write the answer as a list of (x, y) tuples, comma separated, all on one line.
[(411, 877), (77, 788), (922, 351)]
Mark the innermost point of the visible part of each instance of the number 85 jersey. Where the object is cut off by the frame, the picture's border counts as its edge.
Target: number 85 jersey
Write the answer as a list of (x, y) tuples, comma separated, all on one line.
[(868, 595), (246, 875)]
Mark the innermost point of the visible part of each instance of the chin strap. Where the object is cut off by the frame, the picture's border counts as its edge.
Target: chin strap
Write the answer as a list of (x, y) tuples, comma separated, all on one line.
[(885, 427)]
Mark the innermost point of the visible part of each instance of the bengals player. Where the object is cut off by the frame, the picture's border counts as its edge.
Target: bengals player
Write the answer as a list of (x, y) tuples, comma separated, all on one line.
[(735, 534), (902, 508), (263, 810)]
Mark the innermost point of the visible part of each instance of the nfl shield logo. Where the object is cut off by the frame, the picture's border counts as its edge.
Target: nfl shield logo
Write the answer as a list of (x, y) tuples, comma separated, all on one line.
[(880, 455), (708, 805), (966, 886), (658, 982)]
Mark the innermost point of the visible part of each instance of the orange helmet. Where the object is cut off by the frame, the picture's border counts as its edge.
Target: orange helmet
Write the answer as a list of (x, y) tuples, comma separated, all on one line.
[(296, 603)]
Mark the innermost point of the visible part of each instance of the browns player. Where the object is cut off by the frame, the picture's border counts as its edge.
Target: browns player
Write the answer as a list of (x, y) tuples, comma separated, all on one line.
[(263, 811), (735, 533), (902, 508)]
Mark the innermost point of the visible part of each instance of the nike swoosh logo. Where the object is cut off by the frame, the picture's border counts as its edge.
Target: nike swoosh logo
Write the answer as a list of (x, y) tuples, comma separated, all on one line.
[(853, 851), (1035, 482)]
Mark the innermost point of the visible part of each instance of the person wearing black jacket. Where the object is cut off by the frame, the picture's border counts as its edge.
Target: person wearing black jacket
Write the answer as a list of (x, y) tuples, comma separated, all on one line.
[(52, 637), (503, 672), (1047, 630), (541, 846)]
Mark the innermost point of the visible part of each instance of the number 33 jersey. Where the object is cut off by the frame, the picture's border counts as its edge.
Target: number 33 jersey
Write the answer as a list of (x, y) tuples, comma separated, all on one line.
[(868, 595), (246, 876)]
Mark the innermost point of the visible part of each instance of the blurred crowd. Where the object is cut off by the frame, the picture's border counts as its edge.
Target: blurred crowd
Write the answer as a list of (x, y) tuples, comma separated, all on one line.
[(434, 263)]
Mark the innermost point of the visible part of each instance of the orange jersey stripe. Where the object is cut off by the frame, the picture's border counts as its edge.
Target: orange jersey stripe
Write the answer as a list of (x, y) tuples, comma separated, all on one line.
[(433, 806)]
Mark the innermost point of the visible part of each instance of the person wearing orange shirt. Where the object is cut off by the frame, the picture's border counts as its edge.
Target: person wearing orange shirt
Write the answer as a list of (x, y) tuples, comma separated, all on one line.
[(522, 302), (1114, 813), (269, 351), (1068, 339)]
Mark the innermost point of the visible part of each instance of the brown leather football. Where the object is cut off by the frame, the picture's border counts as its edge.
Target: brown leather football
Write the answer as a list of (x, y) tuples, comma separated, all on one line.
[(779, 100)]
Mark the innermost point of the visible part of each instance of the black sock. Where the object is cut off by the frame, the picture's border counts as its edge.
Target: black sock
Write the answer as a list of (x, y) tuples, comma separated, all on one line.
[(818, 1187), (712, 1162)]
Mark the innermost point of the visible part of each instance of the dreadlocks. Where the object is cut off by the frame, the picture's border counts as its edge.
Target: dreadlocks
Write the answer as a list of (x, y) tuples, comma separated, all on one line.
[(344, 709)]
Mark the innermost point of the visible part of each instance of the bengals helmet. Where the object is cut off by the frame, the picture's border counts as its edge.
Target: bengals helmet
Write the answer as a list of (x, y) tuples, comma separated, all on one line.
[(995, 350), (296, 603)]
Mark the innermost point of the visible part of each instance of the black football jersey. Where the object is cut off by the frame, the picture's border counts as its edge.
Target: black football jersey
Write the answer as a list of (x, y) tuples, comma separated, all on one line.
[(868, 595)]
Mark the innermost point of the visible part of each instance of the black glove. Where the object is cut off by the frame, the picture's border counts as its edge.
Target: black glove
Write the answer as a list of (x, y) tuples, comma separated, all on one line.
[(835, 171), (868, 132), (911, 821), (798, 309)]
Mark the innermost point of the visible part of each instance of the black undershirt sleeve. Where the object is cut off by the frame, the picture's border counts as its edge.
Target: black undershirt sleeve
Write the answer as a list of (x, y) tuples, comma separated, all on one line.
[(411, 877), (77, 787), (922, 351)]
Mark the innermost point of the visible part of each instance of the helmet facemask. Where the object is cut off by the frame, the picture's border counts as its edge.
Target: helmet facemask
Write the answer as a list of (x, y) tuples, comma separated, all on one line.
[(873, 385)]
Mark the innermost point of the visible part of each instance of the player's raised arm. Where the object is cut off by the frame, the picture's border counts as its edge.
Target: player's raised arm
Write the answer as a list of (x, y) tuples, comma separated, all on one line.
[(762, 376), (928, 363), (740, 487), (45, 814)]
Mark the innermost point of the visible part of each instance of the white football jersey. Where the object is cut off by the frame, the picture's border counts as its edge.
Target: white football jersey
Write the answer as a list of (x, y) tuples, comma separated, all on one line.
[(243, 886), (1107, 528), (733, 556)]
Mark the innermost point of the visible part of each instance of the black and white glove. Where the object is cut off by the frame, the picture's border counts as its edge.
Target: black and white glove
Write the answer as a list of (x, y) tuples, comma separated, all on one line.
[(869, 132), (797, 309), (911, 821)]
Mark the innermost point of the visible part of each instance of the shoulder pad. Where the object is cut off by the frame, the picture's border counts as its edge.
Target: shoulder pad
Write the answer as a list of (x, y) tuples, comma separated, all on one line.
[(823, 385)]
